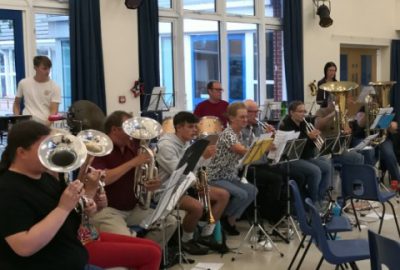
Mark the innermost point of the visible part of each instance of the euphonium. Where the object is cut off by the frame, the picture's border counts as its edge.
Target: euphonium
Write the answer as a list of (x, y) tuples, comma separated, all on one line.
[(319, 141), (144, 129), (204, 195)]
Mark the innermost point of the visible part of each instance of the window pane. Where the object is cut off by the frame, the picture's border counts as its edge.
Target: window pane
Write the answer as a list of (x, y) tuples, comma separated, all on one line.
[(201, 58), (199, 5), (166, 61), (276, 89), (273, 8), (7, 67), (242, 61), (52, 40), (240, 7), (164, 3)]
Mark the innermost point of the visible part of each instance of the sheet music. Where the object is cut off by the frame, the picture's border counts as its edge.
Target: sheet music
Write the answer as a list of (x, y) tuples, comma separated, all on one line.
[(280, 140), (257, 149), (166, 195), (186, 182), (364, 143), (382, 112)]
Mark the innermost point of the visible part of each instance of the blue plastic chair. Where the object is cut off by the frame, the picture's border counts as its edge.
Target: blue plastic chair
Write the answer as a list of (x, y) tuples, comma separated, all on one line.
[(383, 251), (335, 225), (361, 182), (336, 252)]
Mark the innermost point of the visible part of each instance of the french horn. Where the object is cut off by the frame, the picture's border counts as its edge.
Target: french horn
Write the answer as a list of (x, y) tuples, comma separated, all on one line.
[(143, 129)]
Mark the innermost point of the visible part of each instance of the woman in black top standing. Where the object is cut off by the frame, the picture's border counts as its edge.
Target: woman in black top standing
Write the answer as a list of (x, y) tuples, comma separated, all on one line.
[(39, 226), (329, 76)]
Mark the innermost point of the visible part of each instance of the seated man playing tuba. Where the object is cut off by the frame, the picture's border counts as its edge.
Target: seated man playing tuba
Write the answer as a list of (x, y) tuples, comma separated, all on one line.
[(171, 147)]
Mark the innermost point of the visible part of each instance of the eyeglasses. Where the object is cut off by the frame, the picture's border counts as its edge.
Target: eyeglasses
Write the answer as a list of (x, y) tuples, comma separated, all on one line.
[(304, 111), (218, 89), (253, 111)]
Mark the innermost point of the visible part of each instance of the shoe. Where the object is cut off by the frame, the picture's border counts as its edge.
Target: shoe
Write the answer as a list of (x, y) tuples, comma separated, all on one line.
[(193, 248), (266, 244), (209, 242), (228, 228)]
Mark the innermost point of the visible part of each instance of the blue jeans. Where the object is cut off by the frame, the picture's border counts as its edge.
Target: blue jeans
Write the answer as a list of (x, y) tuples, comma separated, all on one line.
[(312, 175), (326, 169), (352, 157), (388, 159), (241, 196)]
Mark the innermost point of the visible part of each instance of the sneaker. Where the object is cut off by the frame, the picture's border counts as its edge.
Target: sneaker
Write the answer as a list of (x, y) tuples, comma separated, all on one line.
[(230, 229), (193, 248), (266, 244), (210, 242)]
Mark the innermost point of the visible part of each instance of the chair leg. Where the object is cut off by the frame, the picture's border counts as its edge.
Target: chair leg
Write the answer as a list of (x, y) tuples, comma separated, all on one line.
[(354, 266), (381, 218), (304, 254), (395, 218), (297, 252), (320, 262), (355, 214)]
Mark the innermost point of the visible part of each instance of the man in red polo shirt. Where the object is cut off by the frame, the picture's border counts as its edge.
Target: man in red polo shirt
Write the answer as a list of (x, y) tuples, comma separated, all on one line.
[(214, 105), (120, 165)]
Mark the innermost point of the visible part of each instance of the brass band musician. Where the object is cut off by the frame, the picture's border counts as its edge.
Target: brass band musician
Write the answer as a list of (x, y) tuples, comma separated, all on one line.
[(171, 147)]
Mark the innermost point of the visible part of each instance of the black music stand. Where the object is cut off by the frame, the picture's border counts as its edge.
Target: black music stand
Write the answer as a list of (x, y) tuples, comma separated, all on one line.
[(292, 151), (256, 151), (327, 146), (158, 103)]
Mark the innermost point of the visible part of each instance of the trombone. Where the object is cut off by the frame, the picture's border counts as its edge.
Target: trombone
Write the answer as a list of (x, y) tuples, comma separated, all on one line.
[(319, 141)]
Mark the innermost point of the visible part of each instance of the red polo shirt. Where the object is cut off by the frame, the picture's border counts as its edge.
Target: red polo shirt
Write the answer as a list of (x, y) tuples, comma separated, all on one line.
[(120, 193), (206, 108)]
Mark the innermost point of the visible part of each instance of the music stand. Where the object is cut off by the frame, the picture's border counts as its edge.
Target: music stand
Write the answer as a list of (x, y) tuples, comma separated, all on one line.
[(293, 150), (256, 151)]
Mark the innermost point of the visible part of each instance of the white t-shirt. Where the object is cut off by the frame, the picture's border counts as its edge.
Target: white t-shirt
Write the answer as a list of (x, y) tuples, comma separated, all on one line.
[(37, 97)]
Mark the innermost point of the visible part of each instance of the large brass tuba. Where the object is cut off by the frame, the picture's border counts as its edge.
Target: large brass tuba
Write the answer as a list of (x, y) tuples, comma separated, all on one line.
[(144, 129), (380, 99), (204, 194), (339, 91)]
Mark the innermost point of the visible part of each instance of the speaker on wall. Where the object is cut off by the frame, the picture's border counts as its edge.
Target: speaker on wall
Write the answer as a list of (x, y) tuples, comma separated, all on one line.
[(132, 4)]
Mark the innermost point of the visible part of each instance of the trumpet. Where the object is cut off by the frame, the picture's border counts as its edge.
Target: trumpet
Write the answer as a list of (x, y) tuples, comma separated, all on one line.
[(319, 141), (204, 195)]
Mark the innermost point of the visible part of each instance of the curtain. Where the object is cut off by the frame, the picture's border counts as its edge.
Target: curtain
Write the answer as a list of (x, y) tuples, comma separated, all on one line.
[(293, 49), (395, 76), (87, 71), (149, 70)]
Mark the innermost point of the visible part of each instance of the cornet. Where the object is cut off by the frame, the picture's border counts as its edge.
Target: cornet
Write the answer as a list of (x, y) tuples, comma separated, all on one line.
[(319, 141)]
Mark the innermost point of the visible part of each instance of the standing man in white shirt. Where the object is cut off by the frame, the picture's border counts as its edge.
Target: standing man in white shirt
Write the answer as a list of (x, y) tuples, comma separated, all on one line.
[(41, 94)]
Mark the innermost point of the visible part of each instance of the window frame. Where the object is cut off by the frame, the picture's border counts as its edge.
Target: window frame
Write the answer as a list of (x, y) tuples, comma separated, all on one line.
[(178, 15)]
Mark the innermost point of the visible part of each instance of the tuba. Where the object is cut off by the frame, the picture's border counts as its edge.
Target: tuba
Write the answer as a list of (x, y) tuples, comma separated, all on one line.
[(373, 102), (204, 195), (143, 129)]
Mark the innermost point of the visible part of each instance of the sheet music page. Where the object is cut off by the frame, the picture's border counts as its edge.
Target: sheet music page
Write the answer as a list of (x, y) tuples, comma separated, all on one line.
[(165, 197), (364, 142), (280, 140), (381, 112), (186, 182)]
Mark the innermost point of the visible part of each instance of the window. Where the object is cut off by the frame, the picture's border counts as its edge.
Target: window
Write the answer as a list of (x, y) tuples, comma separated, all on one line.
[(52, 40), (166, 61), (238, 42)]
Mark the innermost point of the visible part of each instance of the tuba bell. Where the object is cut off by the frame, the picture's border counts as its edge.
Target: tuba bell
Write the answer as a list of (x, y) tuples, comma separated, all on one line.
[(373, 102), (143, 129)]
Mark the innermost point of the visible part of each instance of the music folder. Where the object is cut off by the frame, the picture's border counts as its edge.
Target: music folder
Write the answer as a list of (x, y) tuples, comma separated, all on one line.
[(192, 155), (257, 149), (383, 118)]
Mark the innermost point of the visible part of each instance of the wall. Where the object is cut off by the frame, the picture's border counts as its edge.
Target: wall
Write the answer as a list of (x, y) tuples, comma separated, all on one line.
[(357, 22), (120, 53)]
